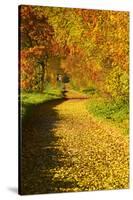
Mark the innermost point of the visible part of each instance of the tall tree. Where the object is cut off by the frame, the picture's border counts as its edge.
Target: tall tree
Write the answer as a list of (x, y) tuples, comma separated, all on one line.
[(36, 38)]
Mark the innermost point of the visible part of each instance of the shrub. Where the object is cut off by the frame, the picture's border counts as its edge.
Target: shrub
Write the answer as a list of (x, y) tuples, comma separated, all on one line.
[(117, 84)]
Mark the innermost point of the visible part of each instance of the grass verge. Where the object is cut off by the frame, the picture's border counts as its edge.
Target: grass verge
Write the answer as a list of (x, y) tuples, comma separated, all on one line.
[(29, 100), (116, 112)]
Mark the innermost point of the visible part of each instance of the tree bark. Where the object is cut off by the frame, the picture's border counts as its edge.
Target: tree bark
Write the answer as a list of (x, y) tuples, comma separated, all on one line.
[(44, 66), (42, 78)]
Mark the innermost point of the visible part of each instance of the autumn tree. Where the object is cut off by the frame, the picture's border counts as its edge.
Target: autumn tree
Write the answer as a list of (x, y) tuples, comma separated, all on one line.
[(92, 46), (35, 39)]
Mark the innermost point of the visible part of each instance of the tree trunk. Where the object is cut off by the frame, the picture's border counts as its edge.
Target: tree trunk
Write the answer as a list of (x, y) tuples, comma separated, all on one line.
[(42, 78), (43, 73)]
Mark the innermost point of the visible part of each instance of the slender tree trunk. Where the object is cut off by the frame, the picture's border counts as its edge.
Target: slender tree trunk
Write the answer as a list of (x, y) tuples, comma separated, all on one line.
[(43, 64), (42, 78), (43, 75)]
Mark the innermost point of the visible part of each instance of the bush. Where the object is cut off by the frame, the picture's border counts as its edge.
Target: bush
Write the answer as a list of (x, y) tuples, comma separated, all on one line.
[(117, 112), (89, 90), (117, 84)]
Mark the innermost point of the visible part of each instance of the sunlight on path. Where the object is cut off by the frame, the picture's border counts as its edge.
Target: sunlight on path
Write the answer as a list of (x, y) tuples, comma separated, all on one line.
[(95, 155), (69, 150)]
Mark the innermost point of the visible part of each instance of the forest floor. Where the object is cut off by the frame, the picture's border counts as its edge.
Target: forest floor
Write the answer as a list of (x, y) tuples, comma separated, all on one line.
[(66, 149)]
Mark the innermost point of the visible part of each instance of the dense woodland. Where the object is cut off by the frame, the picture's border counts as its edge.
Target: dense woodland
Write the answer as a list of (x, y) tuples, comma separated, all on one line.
[(91, 47), (80, 143)]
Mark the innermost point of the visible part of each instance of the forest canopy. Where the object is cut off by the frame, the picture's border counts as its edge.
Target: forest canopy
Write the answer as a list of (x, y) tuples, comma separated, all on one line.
[(91, 47)]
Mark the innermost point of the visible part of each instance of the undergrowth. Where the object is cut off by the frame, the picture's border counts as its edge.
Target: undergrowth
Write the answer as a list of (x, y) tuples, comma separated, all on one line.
[(29, 100), (114, 111)]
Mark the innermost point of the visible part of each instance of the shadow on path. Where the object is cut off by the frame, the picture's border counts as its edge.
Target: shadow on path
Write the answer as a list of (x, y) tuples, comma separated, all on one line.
[(40, 155)]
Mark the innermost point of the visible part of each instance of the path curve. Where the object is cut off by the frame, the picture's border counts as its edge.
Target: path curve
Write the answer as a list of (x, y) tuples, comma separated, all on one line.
[(66, 149)]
